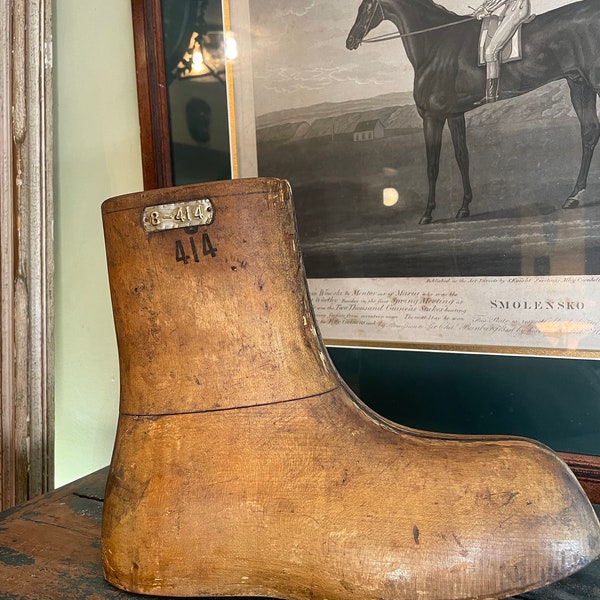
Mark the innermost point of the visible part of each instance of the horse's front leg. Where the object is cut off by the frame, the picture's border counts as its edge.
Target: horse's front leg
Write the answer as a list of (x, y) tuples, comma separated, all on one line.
[(458, 131), (583, 98), (432, 128)]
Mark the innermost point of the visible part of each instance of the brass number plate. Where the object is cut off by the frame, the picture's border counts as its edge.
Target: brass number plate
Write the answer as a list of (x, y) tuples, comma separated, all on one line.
[(178, 215)]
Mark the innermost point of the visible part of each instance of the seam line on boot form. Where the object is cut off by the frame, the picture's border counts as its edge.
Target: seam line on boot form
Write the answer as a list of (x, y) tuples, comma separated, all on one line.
[(211, 410)]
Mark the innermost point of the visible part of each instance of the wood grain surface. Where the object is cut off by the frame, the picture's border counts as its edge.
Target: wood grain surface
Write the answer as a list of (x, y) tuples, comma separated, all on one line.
[(50, 550)]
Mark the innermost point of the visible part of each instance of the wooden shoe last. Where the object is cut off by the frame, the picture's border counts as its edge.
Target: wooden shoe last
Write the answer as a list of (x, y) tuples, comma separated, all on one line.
[(244, 466)]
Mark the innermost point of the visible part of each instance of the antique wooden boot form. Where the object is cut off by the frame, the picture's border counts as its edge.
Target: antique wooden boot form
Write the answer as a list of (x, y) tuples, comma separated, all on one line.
[(243, 466)]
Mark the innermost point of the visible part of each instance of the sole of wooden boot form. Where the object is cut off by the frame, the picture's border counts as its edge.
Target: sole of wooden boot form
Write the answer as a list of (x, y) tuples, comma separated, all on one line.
[(251, 476)]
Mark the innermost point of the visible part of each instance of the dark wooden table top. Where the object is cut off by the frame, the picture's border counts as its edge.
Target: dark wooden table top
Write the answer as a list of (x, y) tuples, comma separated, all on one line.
[(50, 549)]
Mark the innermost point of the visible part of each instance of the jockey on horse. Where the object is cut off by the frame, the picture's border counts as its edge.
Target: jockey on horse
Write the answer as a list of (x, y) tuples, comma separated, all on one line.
[(512, 14)]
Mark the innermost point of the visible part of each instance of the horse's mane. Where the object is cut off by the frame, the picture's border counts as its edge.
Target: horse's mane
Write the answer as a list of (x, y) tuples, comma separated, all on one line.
[(442, 8), (429, 5)]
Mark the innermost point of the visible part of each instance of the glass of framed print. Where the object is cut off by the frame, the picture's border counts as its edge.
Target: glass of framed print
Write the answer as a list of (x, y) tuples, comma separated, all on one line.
[(376, 113), (357, 128)]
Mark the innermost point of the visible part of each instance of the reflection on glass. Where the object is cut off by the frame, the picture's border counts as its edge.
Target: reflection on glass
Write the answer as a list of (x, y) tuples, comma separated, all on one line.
[(231, 49), (390, 196), (195, 59)]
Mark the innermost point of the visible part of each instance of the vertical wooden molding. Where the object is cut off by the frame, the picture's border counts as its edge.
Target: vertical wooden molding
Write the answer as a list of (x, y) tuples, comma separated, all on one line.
[(153, 101), (26, 256), (6, 261)]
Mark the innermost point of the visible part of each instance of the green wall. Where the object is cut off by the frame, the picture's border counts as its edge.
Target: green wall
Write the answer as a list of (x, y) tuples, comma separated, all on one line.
[(97, 155)]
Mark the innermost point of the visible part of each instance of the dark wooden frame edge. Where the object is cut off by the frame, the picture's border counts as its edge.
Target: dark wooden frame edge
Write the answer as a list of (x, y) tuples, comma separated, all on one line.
[(587, 470), (152, 94)]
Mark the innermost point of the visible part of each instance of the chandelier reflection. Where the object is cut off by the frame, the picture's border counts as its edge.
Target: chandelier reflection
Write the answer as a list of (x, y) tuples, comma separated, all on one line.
[(207, 55)]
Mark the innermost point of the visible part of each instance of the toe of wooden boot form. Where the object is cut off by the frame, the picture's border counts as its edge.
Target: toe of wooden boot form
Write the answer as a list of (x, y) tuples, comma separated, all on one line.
[(317, 498)]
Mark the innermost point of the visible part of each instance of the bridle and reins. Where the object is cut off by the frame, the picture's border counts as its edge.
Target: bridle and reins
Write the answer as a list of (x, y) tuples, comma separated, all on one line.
[(393, 36)]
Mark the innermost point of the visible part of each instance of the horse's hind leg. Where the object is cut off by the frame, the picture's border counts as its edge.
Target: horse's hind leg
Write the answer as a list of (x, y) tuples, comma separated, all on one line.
[(583, 98), (433, 127), (458, 131)]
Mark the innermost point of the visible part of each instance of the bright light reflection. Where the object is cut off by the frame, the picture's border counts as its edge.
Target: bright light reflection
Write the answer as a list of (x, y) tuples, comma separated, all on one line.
[(231, 50), (390, 196), (197, 60)]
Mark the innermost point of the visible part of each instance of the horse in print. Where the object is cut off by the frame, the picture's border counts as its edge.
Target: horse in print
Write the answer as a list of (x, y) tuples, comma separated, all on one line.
[(562, 43)]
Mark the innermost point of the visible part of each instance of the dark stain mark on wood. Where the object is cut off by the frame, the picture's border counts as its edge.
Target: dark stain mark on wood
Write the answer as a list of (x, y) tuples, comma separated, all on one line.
[(509, 497), (12, 558), (89, 497), (416, 534)]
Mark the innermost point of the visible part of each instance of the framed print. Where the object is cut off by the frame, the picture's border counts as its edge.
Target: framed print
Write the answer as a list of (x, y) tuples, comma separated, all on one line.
[(508, 287), (373, 136)]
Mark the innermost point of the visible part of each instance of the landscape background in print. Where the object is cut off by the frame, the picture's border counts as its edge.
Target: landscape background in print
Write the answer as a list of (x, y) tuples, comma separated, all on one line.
[(314, 99)]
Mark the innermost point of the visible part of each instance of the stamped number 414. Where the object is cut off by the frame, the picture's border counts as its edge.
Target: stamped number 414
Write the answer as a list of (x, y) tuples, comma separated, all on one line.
[(181, 249)]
